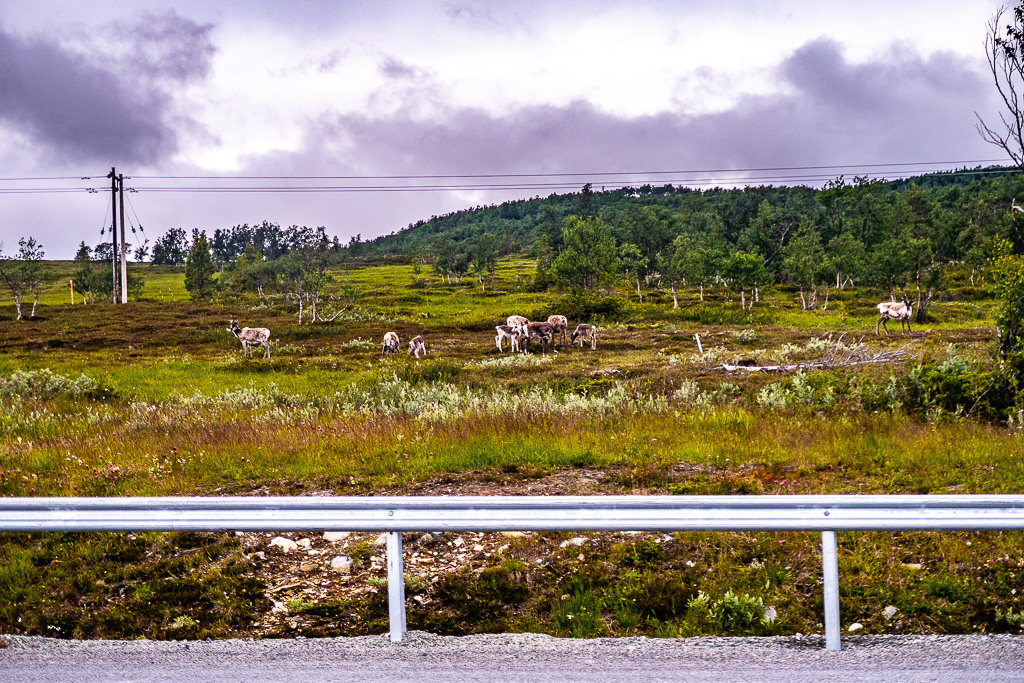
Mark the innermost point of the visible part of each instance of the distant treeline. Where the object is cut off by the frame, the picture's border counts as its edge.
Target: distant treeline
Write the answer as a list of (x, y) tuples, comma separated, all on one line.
[(899, 236)]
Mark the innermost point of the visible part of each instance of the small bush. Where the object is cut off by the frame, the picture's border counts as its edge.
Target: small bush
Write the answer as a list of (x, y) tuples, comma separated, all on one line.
[(45, 384), (731, 613)]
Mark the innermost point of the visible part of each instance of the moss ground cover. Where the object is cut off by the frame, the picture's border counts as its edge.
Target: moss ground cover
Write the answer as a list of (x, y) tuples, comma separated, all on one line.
[(155, 398)]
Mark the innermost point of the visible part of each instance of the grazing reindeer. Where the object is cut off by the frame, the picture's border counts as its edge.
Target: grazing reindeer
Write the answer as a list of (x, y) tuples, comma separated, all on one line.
[(250, 337), (894, 310), (542, 331), (585, 332), (560, 323), (390, 345), (517, 322), (416, 345), (505, 332)]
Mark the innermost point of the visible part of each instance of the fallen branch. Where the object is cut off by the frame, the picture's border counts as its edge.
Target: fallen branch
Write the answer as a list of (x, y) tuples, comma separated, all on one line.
[(836, 357), (331, 319)]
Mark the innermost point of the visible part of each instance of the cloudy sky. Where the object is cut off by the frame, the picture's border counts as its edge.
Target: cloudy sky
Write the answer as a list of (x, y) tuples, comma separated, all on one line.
[(491, 100)]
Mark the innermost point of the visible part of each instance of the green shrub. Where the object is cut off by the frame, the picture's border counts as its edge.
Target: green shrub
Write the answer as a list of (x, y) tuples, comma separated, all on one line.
[(731, 613)]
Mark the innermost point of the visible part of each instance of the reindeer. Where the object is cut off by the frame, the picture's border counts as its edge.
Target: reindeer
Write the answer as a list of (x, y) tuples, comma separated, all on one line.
[(560, 323), (894, 310), (250, 337), (505, 332), (390, 345), (416, 345), (517, 322), (542, 331), (585, 332)]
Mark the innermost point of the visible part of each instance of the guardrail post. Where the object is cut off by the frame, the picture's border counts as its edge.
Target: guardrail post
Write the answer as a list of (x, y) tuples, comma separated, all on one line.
[(396, 587), (830, 574)]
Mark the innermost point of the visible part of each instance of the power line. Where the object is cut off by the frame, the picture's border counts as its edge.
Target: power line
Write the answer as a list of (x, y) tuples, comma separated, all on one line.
[(573, 174), (517, 182), (606, 184)]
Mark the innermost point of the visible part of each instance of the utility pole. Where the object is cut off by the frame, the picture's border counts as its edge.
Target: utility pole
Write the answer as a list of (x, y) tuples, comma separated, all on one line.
[(113, 229), (124, 266)]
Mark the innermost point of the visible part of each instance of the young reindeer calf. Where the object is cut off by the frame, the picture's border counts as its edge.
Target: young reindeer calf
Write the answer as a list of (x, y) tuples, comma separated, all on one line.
[(505, 332), (585, 332), (416, 345), (250, 337), (390, 345), (894, 310)]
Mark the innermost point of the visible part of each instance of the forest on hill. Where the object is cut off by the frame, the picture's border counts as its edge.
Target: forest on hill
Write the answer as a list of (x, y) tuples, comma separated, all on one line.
[(904, 238)]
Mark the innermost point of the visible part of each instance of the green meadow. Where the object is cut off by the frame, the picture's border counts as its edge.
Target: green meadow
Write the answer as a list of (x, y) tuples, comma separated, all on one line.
[(155, 397)]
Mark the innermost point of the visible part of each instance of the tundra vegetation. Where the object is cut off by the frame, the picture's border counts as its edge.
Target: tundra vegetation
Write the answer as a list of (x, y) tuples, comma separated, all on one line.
[(154, 398)]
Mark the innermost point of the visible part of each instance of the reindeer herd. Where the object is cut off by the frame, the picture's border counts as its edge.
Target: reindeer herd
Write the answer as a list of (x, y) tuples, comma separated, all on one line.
[(519, 332)]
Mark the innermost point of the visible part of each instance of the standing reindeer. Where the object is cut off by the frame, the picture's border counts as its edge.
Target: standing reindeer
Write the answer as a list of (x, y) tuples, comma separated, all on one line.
[(894, 310), (505, 332), (542, 331), (585, 332), (390, 345), (560, 323), (416, 345), (250, 337), (517, 322)]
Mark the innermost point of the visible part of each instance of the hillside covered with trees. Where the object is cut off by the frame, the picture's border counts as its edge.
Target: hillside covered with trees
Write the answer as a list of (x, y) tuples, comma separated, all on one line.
[(900, 237)]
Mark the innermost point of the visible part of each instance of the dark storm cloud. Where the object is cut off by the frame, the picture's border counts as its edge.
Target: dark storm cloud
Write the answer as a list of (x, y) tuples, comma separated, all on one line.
[(394, 69), (79, 107), (900, 108), (169, 46)]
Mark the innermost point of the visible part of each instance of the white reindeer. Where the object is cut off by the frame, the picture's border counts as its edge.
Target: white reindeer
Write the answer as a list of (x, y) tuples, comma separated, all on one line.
[(250, 337), (416, 345), (391, 344), (560, 323), (506, 332), (585, 332), (517, 322), (894, 310)]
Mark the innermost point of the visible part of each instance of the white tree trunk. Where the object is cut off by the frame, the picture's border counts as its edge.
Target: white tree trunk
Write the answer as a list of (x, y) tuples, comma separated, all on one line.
[(17, 305), (675, 298)]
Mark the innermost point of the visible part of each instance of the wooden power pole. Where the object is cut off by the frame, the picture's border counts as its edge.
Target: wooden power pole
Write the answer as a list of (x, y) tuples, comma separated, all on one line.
[(113, 229), (124, 257)]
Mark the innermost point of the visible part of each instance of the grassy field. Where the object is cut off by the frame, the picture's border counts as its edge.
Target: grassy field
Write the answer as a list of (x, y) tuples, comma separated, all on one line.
[(154, 397)]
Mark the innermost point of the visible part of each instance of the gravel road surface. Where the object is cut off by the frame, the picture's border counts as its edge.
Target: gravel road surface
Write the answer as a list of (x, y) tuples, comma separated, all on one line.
[(520, 657)]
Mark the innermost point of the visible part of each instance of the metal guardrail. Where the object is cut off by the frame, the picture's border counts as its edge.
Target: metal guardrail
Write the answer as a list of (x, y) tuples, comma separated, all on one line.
[(393, 515)]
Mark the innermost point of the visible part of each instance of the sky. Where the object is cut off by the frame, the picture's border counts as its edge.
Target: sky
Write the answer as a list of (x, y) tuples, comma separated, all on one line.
[(365, 117)]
